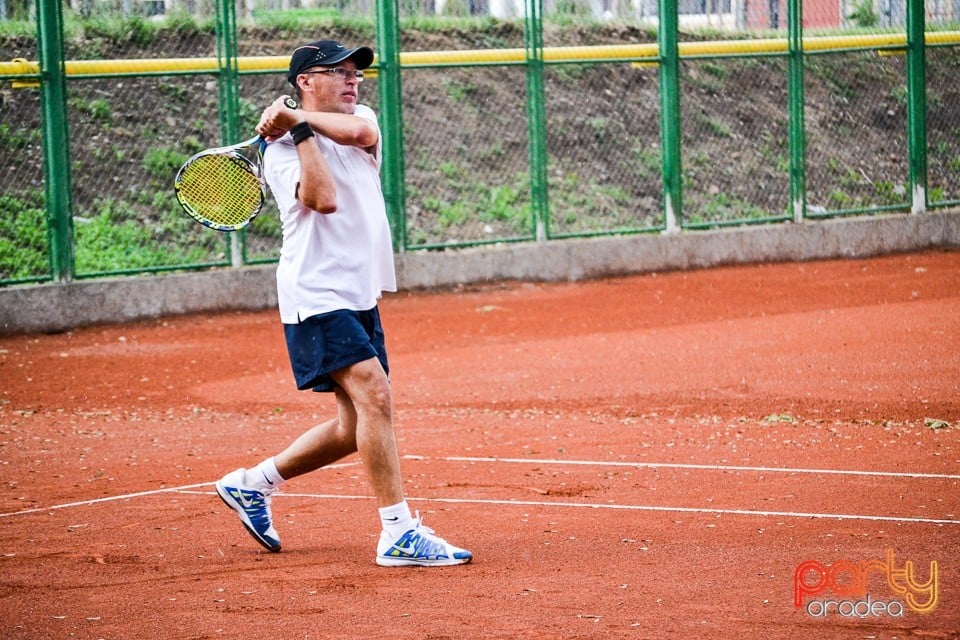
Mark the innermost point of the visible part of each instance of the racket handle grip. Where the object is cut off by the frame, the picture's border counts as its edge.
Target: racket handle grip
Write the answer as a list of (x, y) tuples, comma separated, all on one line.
[(290, 102)]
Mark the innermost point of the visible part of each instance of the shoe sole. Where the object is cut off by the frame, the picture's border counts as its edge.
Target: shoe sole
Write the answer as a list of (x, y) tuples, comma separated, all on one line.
[(413, 562), (230, 502)]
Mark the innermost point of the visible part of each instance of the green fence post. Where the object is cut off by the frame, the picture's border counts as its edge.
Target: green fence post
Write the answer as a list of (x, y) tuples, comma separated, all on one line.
[(56, 140), (796, 122), (917, 107), (228, 85), (667, 36), (536, 119), (391, 120)]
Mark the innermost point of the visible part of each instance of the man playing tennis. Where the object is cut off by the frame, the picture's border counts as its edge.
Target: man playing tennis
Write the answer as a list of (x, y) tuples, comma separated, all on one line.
[(336, 260)]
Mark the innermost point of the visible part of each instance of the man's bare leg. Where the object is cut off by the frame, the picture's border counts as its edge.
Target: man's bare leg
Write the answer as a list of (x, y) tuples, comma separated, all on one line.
[(368, 388), (322, 445)]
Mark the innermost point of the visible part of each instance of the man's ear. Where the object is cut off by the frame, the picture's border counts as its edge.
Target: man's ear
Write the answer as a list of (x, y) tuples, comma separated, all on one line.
[(302, 82)]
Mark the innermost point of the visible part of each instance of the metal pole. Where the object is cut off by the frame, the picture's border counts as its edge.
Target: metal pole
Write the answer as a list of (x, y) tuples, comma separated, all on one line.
[(391, 119), (917, 104), (797, 130), (228, 81), (670, 114), (56, 140), (536, 119)]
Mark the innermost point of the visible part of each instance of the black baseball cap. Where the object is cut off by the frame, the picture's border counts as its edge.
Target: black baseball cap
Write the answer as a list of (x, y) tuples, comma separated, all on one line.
[(325, 53)]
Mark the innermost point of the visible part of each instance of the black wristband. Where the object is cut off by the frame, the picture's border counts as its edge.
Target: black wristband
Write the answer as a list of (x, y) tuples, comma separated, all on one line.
[(300, 132)]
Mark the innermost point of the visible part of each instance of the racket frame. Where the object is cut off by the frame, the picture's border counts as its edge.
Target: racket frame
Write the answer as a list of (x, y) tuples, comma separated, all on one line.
[(232, 151)]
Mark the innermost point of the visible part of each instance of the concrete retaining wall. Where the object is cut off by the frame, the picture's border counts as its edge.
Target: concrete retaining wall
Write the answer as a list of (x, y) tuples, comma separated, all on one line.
[(64, 306)]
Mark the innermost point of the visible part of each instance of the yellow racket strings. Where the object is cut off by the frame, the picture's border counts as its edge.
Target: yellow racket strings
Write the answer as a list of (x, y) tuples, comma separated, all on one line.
[(222, 189)]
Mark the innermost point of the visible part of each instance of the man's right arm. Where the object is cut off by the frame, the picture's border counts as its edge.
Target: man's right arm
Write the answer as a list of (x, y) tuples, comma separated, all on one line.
[(345, 129), (316, 188)]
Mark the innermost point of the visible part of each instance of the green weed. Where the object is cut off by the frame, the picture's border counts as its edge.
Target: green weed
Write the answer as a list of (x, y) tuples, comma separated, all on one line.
[(458, 90), (116, 239), (23, 237), (98, 109), (163, 163)]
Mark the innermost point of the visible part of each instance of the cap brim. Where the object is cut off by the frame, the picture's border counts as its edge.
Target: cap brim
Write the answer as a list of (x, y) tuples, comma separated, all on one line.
[(362, 56)]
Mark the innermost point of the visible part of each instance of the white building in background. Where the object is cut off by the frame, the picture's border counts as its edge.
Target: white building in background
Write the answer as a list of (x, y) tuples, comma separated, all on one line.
[(742, 15), (720, 14)]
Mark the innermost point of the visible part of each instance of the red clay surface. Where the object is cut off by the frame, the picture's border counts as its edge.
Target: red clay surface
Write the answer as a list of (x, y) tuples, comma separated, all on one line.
[(641, 457)]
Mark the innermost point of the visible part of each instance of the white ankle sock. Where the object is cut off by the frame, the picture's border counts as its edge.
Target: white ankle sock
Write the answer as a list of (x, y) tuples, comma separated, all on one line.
[(263, 476), (397, 519)]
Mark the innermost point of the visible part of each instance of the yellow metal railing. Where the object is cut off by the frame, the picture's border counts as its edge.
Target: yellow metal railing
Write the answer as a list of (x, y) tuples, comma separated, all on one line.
[(21, 68)]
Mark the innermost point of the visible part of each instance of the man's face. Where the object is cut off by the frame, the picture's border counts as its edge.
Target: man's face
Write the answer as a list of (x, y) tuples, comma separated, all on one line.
[(332, 89)]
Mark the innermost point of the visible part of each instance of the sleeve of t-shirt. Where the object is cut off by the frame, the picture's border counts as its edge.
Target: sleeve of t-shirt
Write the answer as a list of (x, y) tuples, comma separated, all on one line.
[(281, 170), (367, 113)]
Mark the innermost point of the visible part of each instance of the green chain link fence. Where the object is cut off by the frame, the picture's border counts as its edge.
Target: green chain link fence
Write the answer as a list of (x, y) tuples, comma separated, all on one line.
[(530, 134)]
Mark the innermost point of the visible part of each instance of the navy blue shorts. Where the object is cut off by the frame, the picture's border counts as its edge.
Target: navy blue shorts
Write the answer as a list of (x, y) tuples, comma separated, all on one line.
[(322, 344)]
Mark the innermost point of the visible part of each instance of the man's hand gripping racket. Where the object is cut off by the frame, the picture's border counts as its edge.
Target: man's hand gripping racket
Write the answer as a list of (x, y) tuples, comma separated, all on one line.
[(223, 188)]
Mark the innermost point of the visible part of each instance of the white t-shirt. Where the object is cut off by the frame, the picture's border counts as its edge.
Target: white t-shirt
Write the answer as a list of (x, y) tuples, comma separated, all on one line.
[(340, 260)]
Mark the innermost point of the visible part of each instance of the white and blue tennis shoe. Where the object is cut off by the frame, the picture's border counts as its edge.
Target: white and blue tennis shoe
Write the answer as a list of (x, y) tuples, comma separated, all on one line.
[(253, 507), (419, 547)]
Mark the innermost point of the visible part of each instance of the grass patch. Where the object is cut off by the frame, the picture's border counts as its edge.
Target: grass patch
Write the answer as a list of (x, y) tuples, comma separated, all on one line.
[(23, 237), (116, 240)]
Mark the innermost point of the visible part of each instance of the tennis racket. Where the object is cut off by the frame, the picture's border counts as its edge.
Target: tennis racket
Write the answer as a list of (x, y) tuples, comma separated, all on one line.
[(223, 188)]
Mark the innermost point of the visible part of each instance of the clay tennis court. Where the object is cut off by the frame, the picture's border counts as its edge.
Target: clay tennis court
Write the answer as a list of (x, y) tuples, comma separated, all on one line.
[(643, 457)]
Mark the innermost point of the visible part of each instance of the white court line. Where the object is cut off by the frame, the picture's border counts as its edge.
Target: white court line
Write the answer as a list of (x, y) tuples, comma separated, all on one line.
[(625, 507), (127, 496), (701, 467), (736, 512), (182, 489), (186, 489)]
